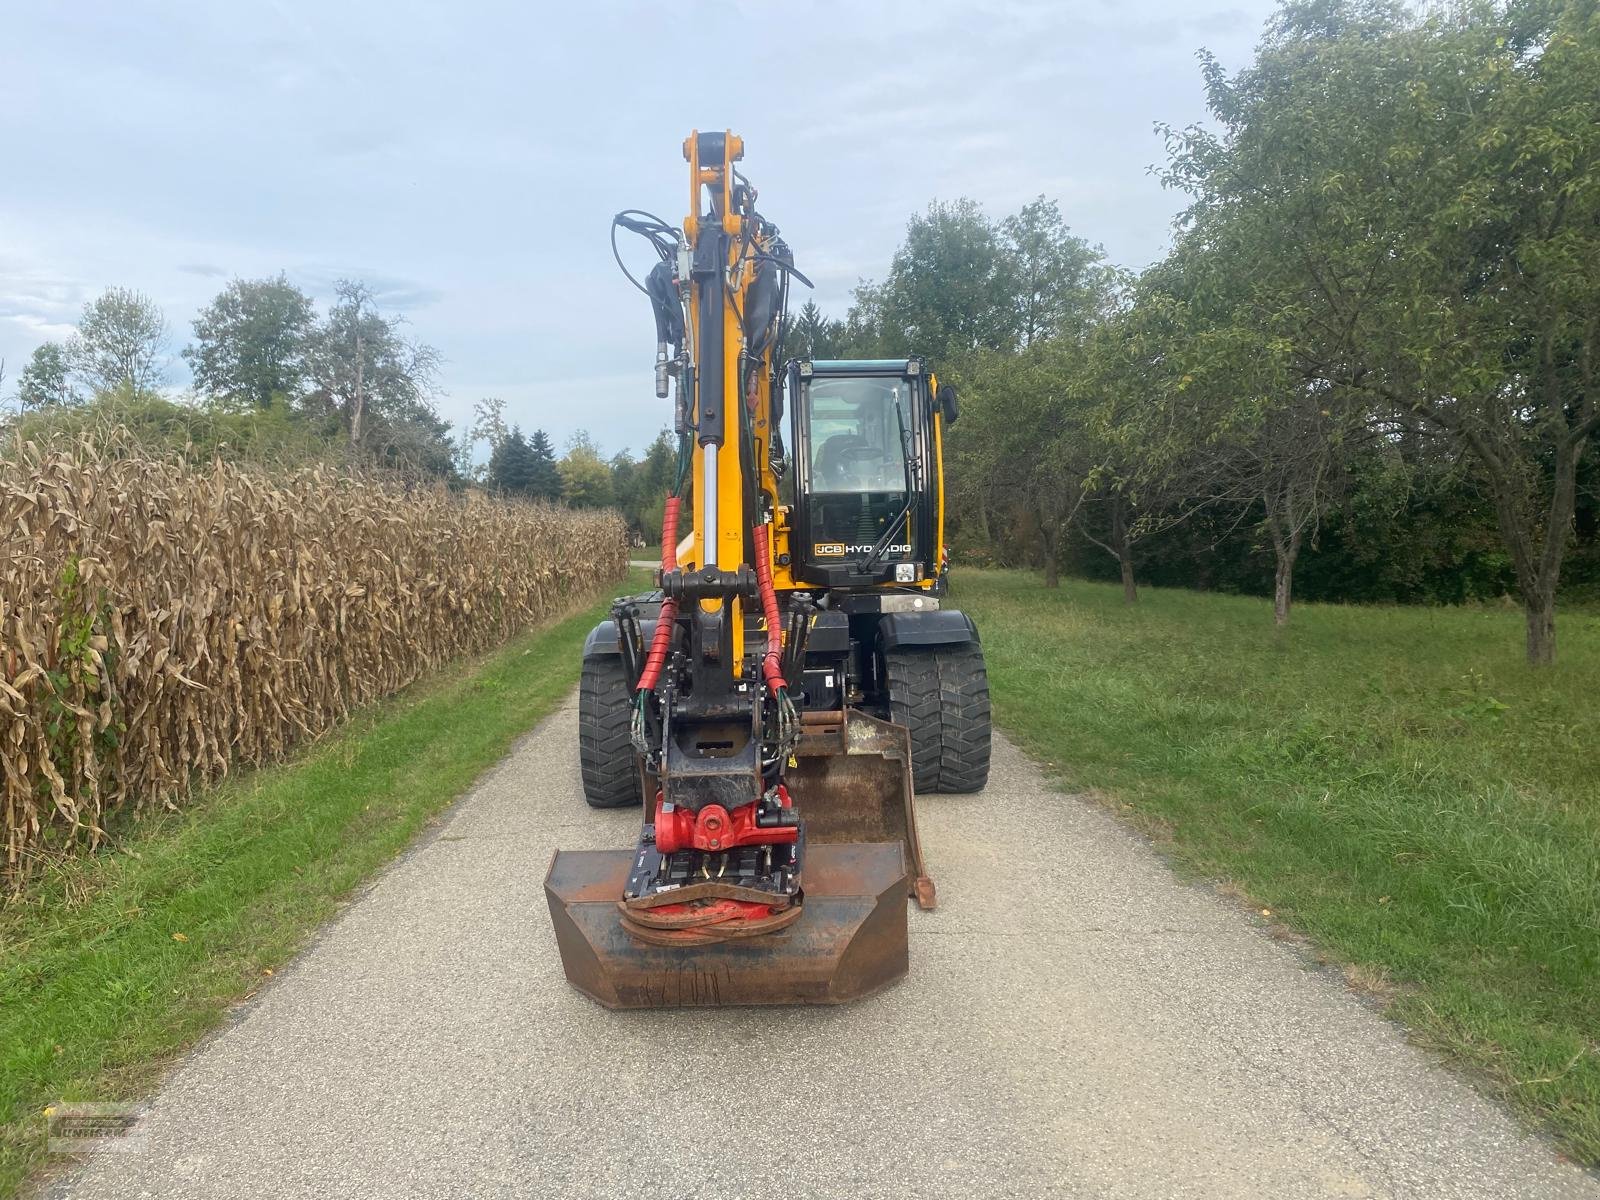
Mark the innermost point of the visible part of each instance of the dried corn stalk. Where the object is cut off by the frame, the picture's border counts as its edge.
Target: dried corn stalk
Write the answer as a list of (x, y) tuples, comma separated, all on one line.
[(160, 622)]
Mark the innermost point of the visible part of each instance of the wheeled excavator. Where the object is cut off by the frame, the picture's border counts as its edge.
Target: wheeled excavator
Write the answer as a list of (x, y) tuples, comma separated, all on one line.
[(796, 675)]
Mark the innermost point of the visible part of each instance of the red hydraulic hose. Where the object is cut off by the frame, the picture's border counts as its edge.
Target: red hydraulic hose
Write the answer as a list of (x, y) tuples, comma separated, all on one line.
[(661, 641), (772, 660)]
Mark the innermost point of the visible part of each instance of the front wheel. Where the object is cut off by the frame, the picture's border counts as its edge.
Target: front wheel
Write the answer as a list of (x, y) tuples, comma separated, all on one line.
[(605, 744), (941, 694)]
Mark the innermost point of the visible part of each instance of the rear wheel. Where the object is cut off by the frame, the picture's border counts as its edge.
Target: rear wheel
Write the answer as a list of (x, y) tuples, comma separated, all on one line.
[(605, 746), (941, 694)]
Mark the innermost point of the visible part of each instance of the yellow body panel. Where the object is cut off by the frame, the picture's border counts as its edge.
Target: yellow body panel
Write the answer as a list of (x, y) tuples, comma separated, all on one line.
[(710, 191)]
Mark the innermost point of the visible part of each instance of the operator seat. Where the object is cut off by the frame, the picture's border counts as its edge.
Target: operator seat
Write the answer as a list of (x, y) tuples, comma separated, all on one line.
[(833, 460)]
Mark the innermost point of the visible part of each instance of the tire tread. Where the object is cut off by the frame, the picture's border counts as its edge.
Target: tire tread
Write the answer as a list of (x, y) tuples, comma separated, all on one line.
[(605, 744)]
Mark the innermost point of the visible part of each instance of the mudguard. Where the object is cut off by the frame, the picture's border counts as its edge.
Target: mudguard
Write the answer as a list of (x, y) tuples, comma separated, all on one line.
[(941, 627), (602, 639)]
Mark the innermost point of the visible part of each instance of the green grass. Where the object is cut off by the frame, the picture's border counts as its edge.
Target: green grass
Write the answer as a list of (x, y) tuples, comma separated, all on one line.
[(120, 960), (1395, 783)]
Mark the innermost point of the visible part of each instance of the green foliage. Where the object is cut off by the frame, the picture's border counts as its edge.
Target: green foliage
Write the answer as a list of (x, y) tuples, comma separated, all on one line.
[(274, 382), (200, 431), (250, 343), (948, 289), (1058, 283), (1407, 208), (46, 382), (812, 335), (523, 467), (544, 479), (1374, 338), (641, 488), (959, 283), (586, 478), (120, 343), (366, 373)]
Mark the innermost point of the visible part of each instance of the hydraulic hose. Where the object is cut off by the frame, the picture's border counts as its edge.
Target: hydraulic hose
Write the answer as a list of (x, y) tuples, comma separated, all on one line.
[(661, 640), (772, 660)]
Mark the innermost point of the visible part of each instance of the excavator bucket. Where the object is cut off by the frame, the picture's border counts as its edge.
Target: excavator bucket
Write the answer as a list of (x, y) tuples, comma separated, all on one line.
[(851, 782)]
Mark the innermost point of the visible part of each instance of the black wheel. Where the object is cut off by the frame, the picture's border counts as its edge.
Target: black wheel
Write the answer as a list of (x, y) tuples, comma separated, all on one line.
[(605, 747), (941, 694), (963, 719)]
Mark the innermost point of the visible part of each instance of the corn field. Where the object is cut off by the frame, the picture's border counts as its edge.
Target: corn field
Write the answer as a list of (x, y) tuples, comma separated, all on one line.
[(161, 622)]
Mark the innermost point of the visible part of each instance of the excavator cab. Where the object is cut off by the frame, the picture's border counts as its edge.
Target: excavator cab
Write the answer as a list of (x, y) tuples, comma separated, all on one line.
[(866, 473), (772, 706)]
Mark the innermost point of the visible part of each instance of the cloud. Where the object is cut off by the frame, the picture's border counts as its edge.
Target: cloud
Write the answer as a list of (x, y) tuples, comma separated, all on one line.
[(466, 169), (36, 307), (39, 329)]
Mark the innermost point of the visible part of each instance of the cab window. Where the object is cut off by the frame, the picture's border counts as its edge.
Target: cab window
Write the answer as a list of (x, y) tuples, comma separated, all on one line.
[(854, 434)]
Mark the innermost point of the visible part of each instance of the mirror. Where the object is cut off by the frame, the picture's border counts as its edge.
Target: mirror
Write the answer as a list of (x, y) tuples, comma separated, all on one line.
[(947, 403)]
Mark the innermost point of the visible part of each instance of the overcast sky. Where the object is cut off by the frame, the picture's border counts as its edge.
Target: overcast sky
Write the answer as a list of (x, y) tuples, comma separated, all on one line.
[(465, 159)]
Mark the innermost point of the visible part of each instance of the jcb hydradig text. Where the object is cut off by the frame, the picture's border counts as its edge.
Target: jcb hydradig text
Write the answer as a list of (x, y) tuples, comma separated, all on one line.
[(773, 703)]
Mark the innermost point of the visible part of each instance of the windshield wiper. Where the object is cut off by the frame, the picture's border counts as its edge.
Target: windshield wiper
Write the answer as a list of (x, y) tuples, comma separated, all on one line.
[(902, 516)]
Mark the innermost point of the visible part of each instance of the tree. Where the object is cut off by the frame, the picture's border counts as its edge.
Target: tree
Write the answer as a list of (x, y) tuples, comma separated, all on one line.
[(511, 465), (488, 425), (640, 486), (585, 476), (1031, 442), (250, 342), (544, 478), (489, 422), (950, 289), (365, 369), (1017, 435), (1410, 206), (46, 381), (1060, 282), (413, 436), (812, 335), (120, 343)]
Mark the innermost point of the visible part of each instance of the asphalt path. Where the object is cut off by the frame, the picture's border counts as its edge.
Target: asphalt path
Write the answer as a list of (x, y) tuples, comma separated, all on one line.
[(1076, 1023)]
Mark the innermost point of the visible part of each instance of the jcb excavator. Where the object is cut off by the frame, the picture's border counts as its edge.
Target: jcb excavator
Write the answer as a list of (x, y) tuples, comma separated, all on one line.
[(771, 706)]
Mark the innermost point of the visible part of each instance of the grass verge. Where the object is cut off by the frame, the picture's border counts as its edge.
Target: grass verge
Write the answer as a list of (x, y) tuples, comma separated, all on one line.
[(118, 961), (1394, 782)]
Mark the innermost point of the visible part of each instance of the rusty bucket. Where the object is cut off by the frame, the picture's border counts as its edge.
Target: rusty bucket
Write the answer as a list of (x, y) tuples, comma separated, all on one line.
[(851, 782)]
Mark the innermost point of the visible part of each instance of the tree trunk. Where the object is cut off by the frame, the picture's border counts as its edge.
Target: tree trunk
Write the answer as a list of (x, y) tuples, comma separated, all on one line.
[(358, 402), (1540, 612), (1285, 549), (1052, 569), (1282, 590), (1537, 562), (1124, 548)]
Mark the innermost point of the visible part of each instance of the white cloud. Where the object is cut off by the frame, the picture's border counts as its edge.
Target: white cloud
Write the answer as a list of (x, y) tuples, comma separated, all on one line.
[(466, 159)]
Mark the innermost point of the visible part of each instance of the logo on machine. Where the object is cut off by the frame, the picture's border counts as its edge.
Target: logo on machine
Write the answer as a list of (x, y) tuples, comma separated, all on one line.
[(840, 550)]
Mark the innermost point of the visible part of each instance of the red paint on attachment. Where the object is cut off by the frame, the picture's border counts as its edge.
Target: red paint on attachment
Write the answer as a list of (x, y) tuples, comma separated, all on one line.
[(714, 828)]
